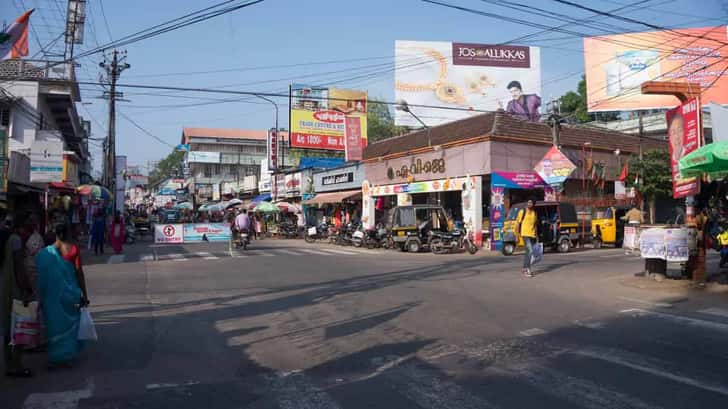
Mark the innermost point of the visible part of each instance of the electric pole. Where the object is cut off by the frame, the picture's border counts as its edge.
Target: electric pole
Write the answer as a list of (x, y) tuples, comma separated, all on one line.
[(555, 121), (113, 70)]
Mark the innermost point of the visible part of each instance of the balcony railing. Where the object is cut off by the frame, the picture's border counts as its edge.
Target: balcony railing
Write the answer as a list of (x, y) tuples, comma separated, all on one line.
[(36, 70)]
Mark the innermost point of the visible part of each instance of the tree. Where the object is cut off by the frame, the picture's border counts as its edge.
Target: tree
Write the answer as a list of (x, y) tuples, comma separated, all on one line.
[(655, 177), (167, 167), (380, 124), (573, 104)]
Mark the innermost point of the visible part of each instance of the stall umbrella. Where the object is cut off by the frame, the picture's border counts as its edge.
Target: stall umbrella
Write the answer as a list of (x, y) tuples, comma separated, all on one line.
[(711, 159)]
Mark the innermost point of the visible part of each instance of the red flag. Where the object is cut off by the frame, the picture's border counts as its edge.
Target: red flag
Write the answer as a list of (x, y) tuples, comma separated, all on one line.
[(625, 171), (14, 39)]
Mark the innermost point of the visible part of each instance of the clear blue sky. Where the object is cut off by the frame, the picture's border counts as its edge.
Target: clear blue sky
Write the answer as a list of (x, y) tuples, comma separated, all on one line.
[(281, 32)]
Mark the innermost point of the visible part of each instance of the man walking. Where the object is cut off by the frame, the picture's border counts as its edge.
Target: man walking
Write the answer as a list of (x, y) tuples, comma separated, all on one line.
[(527, 229)]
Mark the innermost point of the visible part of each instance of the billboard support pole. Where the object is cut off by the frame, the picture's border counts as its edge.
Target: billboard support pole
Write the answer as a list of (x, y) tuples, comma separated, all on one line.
[(684, 91)]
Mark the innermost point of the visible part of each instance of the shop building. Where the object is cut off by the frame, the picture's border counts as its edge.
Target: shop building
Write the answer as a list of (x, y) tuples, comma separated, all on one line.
[(335, 189), (477, 167)]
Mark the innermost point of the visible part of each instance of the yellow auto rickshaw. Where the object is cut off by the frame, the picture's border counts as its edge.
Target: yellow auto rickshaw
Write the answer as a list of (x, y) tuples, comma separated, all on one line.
[(609, 227), (558, 227)]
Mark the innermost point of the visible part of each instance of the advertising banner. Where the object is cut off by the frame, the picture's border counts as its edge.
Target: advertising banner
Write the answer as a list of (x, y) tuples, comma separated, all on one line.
[(203, 157), (617, 65), (293, 184), (468, 76), (630, 238), (272, 150), (517, 180), (168, 233), (318, 116), (684, 136), (676, 245), (352, 138), (193, 232), (555, 167), (46, 161), (652, 243)]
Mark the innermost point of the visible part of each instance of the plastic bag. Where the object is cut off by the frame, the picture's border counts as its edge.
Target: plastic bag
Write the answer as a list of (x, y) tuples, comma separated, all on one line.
[(537, 255), (24, 325), (86, 328)]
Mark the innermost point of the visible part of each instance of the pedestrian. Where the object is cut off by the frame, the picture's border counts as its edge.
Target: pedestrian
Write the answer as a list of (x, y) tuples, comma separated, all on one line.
[(14, 285), (117, 234), (62, 290), (633, 216), (33, 244), (98, 231), (526, 227)]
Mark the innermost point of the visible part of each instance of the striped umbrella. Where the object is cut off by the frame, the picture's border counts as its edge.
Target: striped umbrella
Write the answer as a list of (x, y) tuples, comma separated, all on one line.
[(95, 192)]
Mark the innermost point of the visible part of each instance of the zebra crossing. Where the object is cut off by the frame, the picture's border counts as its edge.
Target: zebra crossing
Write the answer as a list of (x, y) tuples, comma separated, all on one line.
[(159, 255)]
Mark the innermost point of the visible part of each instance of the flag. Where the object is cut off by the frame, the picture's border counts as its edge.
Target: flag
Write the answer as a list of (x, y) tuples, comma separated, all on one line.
[(625, 171), (14, 39)]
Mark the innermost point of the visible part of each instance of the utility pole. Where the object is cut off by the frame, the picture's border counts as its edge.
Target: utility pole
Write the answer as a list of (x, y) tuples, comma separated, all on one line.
[(113, 70), (640, 134), (555, 121)]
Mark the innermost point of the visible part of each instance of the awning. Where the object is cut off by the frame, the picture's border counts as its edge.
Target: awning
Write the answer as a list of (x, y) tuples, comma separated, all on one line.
[(334, 197), (265, 197)]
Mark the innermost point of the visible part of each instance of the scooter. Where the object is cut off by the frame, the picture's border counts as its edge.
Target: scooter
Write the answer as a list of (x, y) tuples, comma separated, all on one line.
[(377, 237), (241, 239), (314, 233), (129, 233)]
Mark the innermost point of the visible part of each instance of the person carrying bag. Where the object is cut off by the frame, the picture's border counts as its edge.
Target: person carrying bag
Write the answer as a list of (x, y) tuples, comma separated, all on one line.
[(527, 228)]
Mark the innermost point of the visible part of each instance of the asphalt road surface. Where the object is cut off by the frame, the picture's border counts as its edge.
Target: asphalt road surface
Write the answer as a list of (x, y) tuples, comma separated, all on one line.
[(294, 325)]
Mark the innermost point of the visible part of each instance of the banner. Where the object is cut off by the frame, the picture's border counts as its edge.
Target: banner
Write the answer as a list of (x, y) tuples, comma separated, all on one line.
[(467, 76), (203, 157), (272, 150), (352, 138), (193, 232), (555, 167), (684, 129), (318, 116), (168, 233), (617, 65), (676, 245), (46, 161)]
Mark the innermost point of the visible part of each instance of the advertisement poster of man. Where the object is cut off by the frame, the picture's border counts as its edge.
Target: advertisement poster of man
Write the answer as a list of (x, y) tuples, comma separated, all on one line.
[(684, 136), (470, 77)]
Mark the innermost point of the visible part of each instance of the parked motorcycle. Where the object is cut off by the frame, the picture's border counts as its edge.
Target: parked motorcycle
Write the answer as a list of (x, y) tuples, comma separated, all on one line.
[(288, 230), (358, 236), (320, 232), (379, 236), (450, 242), (346, 234)]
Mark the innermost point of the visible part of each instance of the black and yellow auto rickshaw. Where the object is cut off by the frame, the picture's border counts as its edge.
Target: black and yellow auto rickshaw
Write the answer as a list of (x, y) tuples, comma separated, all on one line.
[(609, 227), (558, 227), (410, 225)]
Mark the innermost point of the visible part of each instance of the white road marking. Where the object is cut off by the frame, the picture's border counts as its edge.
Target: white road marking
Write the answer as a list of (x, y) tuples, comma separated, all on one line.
[(317, 252), (206, 255), (721, 312), (58, 400), (116, 259), (532, 332), (173, 257), (654, 304), (289, 252), (336, 251), (680, 319), (589, 324), (147, 257), (646, 368)]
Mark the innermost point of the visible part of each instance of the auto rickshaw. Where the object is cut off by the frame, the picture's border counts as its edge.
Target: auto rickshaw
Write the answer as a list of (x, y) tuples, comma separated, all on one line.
[(609, 229), (410, 225), (558, 227)]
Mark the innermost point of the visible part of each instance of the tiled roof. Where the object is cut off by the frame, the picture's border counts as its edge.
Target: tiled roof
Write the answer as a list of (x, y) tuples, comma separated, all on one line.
[(253, 134), (501, 126)]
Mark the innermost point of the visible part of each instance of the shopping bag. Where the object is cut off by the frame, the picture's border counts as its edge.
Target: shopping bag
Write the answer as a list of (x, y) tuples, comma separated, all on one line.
[(86, 328), (24, 324), (537, 255)]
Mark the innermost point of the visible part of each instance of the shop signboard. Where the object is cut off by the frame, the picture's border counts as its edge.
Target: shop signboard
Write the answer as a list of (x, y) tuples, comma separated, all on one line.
[(555, 167), (352, 138), (517, 180), (499, 182), (318, 116), (343, 178), (162, 200), (280, 187), (684, 131), (472, 77), (215, 191), (46, 161), (293, 184), (617, 65), (203, 157), (272, 148), (250, 183), (168, 233), (194, 232), (441, 185)]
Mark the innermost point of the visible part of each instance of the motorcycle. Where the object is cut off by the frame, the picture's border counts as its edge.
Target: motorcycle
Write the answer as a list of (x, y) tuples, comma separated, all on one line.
[(450, 242), (241, 239), (288, 230), (378, 237), (358, 237), (314, 233), (346, 235)]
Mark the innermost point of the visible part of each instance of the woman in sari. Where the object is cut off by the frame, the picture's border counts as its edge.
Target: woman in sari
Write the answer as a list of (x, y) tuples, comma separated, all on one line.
[(117, 234), (62, 290)]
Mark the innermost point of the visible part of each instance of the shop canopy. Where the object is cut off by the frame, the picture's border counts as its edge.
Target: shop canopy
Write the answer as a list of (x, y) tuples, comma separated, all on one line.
[(265, 197), (711, 159), (334, 197), (288, 207)]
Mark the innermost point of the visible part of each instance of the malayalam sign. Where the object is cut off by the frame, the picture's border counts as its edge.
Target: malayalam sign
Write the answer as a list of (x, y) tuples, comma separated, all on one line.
[(617, 65), (472, 77), (352, 138), (46, 161), (684, 136), (194, 232), (555, 167), (168, 233), (272, 150), (318, 116), (517, 180)]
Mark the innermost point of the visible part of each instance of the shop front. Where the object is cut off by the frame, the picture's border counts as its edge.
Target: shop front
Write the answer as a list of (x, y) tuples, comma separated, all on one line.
[(337, 189)]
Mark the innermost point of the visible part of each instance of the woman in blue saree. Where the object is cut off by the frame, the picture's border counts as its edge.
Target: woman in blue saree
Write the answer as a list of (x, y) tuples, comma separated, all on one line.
[(62, 292)]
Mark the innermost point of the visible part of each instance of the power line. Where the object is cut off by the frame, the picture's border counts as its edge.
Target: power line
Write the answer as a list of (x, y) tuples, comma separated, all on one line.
[(139, 127), (106, 22)]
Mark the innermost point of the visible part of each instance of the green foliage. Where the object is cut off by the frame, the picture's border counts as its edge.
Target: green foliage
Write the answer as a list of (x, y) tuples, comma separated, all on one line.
[(168, 167), (655, 175), (574, 104), (380, 123)]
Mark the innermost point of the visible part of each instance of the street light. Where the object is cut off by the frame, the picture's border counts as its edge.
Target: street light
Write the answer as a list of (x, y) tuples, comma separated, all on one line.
[(403, 106), (276, 107)]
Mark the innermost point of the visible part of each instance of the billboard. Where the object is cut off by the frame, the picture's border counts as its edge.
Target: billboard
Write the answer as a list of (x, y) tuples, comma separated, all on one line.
[(684, 136), (554, 168), (463, 77), (352, 140), (318, 115), (617, 65), (46, 161)]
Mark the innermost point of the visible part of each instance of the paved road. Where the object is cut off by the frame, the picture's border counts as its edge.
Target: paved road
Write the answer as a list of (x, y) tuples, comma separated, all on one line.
[(299, 329)]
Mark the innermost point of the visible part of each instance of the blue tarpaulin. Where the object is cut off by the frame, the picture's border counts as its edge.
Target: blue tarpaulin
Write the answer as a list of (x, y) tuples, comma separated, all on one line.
[(320, 163), (265, 197)]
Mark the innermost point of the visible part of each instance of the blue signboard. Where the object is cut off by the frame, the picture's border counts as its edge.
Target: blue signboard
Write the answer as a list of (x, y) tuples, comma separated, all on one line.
[(193, 232)]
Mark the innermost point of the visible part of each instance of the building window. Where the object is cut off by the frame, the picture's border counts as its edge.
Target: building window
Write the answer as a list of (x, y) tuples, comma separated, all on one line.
[(5, 117), (207, 170)]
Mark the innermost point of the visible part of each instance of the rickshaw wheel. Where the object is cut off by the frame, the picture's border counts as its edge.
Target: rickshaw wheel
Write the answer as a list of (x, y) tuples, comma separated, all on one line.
[(564, 246)]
